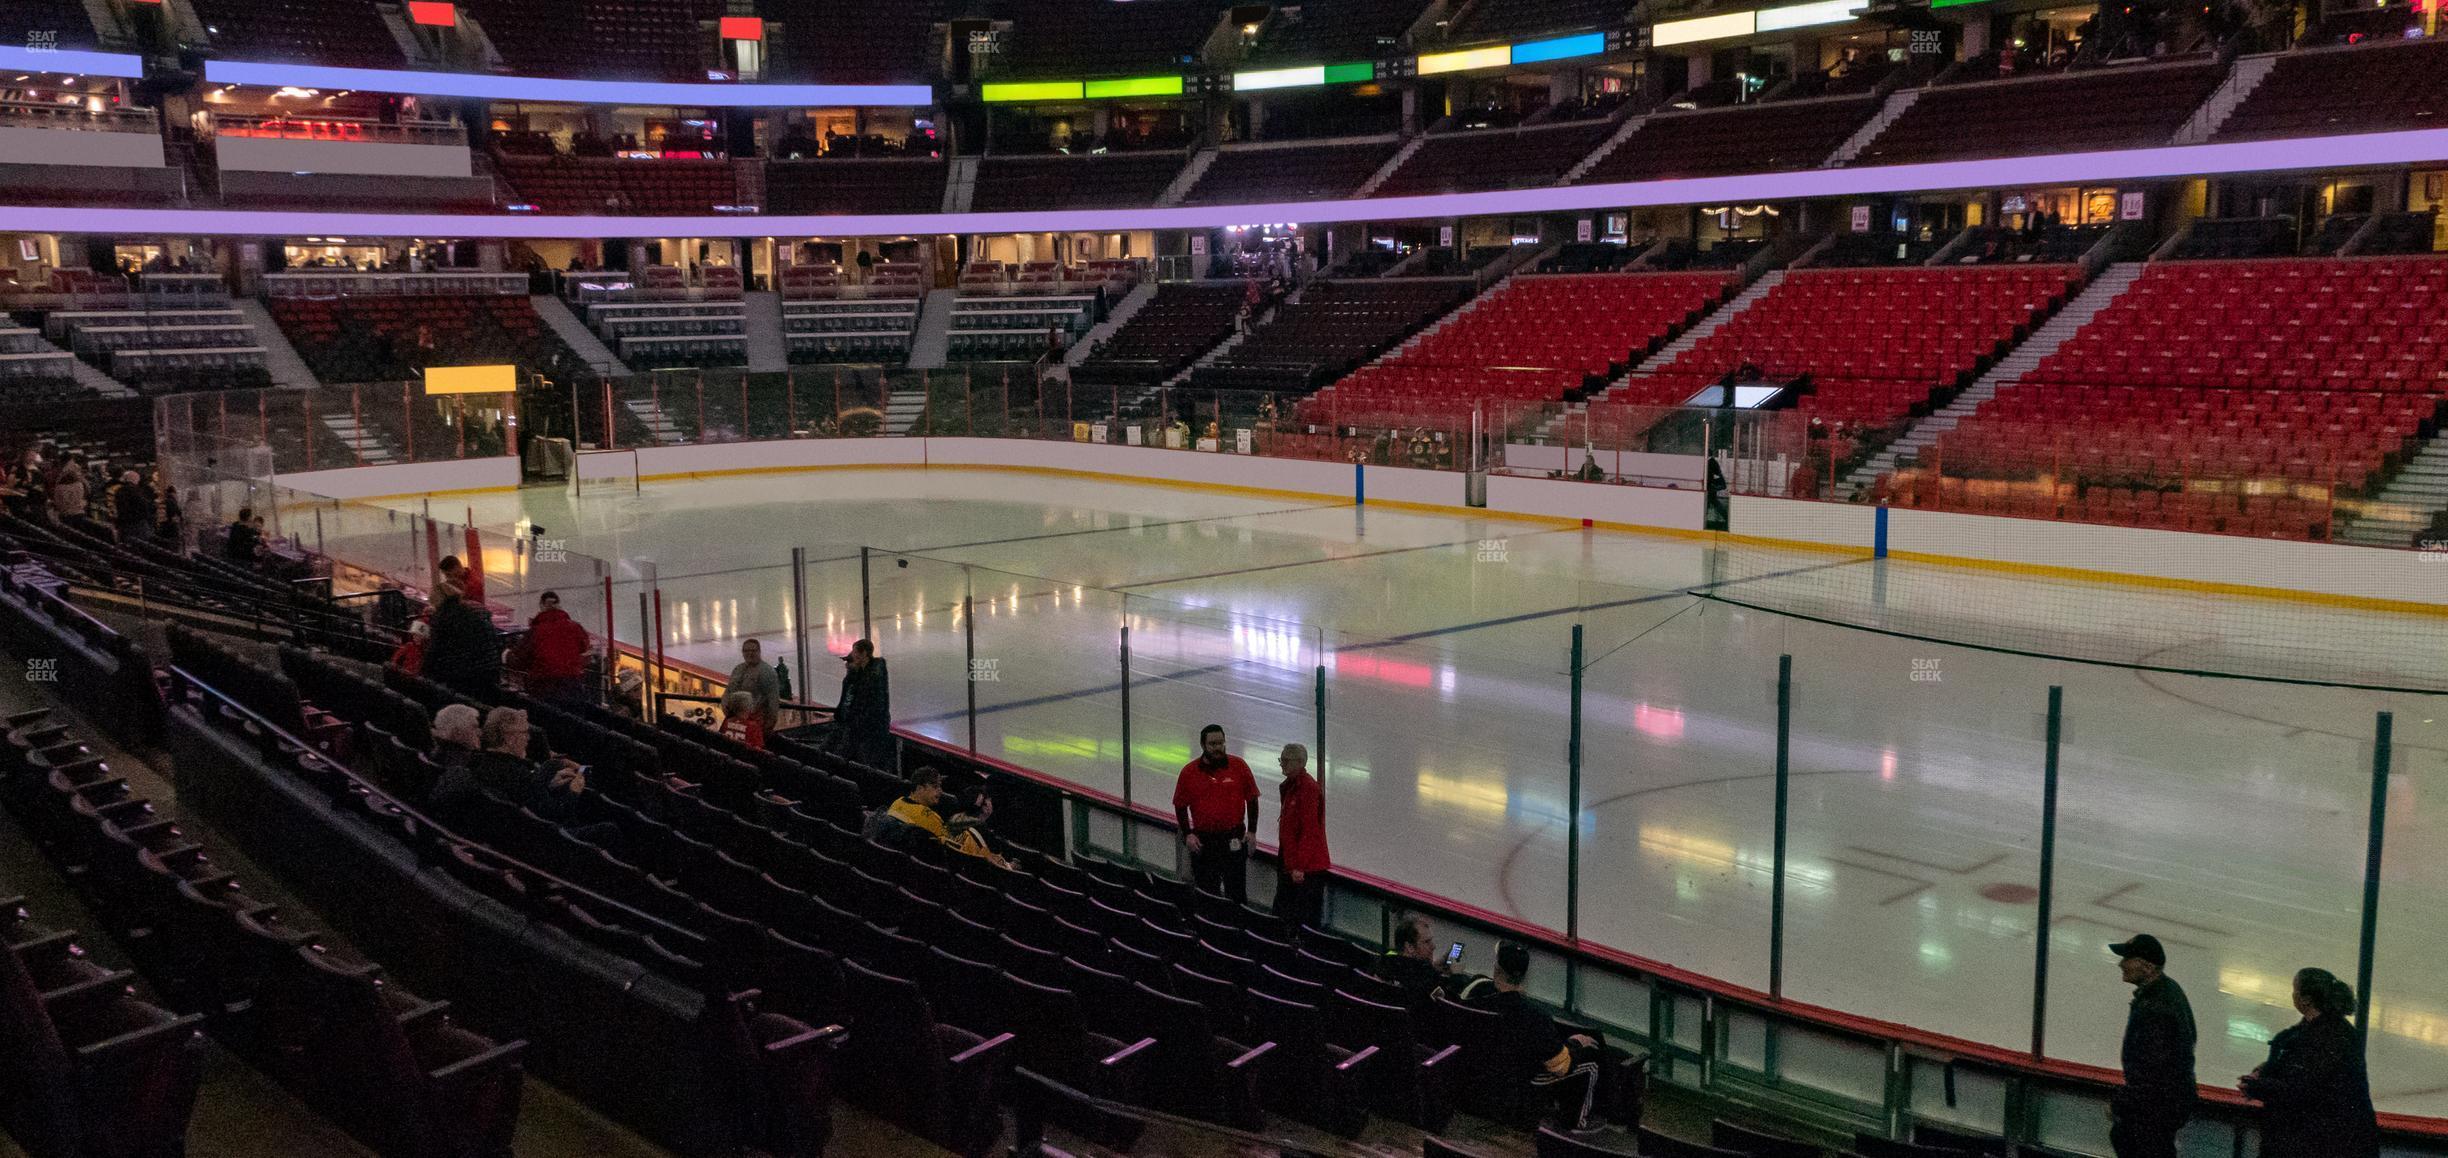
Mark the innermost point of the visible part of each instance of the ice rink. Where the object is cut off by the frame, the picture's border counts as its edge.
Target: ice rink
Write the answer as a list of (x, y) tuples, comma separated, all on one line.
[(2227, 816)]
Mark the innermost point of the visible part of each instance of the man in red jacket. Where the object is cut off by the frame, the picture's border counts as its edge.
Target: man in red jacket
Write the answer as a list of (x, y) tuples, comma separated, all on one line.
[(1215, 801), (1300, 841), (556, 654)]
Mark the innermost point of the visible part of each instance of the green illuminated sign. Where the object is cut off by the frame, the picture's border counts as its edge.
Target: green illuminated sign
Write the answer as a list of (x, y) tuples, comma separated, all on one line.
[(1136, 86), (1350, 73), (1043, 90)]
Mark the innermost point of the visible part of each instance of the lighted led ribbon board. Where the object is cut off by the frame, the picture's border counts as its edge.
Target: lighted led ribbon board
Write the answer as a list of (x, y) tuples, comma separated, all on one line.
[(1303, 76), (441, 380), (1012, 92), (37, 57), (483, 86)]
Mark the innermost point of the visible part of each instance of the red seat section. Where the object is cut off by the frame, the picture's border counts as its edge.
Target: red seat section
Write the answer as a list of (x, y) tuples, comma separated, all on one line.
[(2366, 89), (1100, 179), (670, 40), (1880, 345), (2108, 108), (390, 339), (1246, 175), (822, 41), (348, 33), (1495, 159), (594, 185), (2234, 396), (1534, 339), (863, 186), (1751, 139)]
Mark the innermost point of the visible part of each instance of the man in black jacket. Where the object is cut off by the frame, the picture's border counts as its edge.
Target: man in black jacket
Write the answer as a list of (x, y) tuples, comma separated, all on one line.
[(464, 650), (862, 718), (2157, 1097)]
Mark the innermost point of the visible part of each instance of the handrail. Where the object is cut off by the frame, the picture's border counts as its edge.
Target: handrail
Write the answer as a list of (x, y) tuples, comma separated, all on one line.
[(375, 791)]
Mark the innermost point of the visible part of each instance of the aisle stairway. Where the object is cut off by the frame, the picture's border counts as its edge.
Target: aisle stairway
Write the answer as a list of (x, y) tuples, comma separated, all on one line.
[(904, 408), (931, 345), (368, 446), (281, 359), (658, 423), (768, 352), (2009, 370), (2403, 510), (1670, 351), (1122, 312), (582, 341)]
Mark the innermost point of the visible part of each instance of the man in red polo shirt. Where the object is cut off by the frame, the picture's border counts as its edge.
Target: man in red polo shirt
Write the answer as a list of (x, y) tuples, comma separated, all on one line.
[(1215, 801)]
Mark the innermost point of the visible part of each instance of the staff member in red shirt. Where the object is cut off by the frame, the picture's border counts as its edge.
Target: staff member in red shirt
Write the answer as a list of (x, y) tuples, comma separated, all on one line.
[(1215, 801), (1300, 841)]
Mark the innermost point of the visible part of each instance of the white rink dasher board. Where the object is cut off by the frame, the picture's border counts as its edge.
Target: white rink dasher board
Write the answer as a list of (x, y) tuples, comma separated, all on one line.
[(2227, 562)]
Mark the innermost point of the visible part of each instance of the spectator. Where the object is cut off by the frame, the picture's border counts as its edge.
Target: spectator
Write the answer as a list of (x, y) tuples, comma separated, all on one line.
[(245, 545), (1529, 1044), (410, 655), (1413, 965), (756, 677), (464, 651), (915, 817), (862, 718), (629, 693), (1215, 802), (457, 733), (549, 787), (68, 490), (173, 528), (131, 506), (2157, 1097), (2313, 1088), (1300, 841), (555, 653), (740, 720), (470, 583)]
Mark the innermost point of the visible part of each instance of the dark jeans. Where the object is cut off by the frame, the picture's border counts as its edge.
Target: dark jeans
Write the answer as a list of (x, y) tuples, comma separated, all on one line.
[(2146, 1133), (1304, 902), (1219, 868)]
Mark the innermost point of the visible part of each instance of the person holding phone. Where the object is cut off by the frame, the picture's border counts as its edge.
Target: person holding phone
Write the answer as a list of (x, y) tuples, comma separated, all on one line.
[(1215, 801), (1300, 841), (1414, 966)]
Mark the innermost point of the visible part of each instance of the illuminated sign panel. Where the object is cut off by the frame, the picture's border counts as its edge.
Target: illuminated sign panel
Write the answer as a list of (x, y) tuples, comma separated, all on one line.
[(1469, 58), (1672, 32), (1809, 15), (1279, 78), (433, 13), (743, 28), (1137, 86), (470, 379), (1561, 48), (1040, 90)]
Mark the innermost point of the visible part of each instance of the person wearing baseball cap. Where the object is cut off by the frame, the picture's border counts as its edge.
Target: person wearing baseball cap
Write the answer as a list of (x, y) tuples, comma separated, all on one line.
[(2157, 1097)]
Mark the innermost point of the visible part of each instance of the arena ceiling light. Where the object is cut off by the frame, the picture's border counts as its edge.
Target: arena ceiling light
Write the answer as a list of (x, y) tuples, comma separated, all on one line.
[(536, 88)]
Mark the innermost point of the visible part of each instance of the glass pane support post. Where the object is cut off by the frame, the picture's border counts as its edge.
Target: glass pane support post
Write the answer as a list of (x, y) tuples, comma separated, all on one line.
[(2383, 727), (2054, 735), (799, 628), (1784, 785), (866, 599), (1130, 810), (1572, 811), (1320, 758), (969, 669)]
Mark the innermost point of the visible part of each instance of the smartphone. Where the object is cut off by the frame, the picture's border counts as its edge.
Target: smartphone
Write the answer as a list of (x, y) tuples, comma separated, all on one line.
[(1453, 956)]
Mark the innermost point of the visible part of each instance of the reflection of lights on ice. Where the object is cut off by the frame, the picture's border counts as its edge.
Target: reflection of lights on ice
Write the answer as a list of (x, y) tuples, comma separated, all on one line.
[(1887, 764), (1662, 723), (1272, 644)]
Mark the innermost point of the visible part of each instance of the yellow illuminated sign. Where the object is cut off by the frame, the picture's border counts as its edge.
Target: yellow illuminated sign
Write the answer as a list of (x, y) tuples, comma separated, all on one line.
[(470, 379)]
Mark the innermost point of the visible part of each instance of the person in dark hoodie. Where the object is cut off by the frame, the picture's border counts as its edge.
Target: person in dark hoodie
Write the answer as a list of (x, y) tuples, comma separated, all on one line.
[(862, 718), (2314, 1090), (556, 652), (464, 651), (131, 507)]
